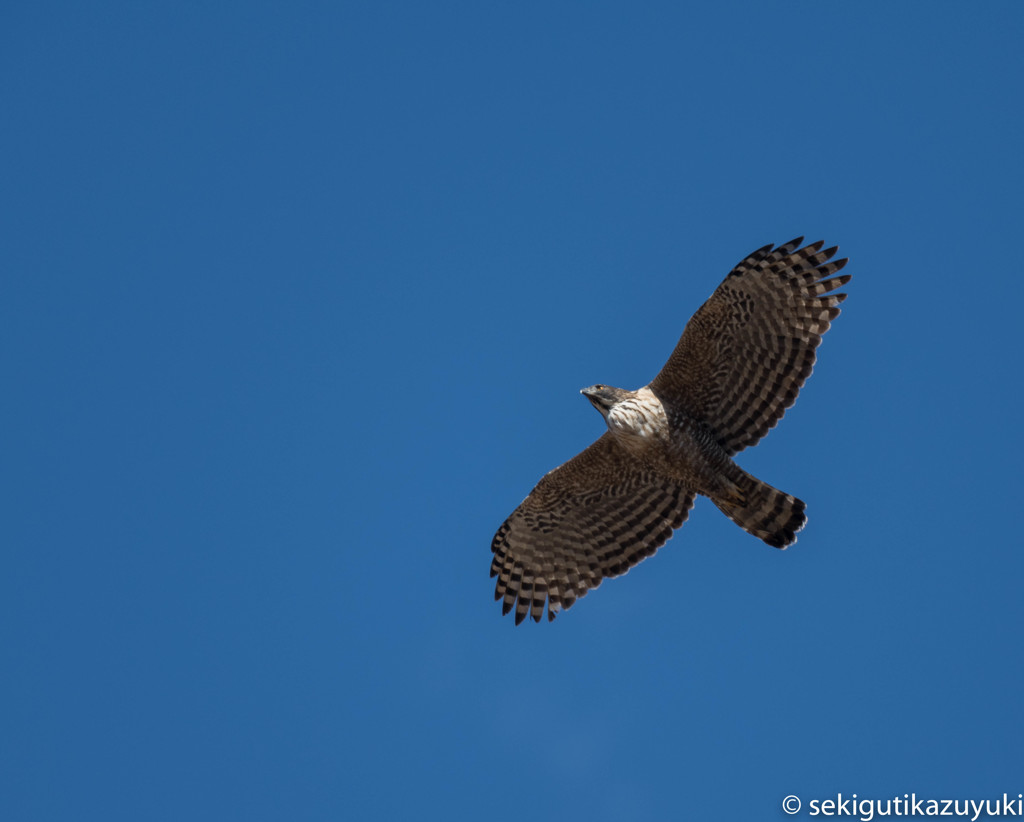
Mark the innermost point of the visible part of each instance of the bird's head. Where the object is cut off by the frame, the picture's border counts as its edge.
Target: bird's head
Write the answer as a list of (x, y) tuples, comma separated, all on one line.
[(604, 397)]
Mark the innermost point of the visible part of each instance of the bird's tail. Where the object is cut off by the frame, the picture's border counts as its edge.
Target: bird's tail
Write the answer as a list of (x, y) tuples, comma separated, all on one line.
[(763, 511)]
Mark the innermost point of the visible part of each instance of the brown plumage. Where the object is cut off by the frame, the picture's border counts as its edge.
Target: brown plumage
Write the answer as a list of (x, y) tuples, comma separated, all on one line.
[(738, 366)]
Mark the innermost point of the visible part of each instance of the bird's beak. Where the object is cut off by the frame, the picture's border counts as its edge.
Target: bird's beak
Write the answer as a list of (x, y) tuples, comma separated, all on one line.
[(591, 395)]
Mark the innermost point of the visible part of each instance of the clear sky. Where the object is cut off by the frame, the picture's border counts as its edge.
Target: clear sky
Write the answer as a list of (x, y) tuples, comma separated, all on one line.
[(296, 300)]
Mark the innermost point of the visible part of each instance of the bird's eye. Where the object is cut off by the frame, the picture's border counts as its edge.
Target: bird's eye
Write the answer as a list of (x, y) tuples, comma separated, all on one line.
[(599, 387)]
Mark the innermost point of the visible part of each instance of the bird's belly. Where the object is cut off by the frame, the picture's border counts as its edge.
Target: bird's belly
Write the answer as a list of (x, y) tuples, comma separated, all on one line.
[(695, 457)]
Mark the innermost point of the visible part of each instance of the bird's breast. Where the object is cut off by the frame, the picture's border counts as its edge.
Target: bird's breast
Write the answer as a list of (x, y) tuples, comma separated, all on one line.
[(640, 421)]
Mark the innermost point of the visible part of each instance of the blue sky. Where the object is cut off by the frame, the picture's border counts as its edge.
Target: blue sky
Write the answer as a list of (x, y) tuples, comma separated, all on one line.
[(296, 303)]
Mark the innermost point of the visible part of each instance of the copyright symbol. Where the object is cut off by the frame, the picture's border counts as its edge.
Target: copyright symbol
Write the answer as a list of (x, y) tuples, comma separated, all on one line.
[(791, 804)]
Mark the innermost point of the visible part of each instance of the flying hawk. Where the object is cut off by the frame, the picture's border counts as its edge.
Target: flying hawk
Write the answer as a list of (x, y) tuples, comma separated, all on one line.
[(738, 366)]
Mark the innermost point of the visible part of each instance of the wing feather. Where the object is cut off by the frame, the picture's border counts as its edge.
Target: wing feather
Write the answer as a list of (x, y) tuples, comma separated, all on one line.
[(592, 518), (746, 353)]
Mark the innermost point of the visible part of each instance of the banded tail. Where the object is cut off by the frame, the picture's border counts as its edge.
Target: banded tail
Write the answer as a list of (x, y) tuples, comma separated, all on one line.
[(765, 512)]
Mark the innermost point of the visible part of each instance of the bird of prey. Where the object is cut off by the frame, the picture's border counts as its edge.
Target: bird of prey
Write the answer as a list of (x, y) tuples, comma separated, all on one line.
[(738, 366)]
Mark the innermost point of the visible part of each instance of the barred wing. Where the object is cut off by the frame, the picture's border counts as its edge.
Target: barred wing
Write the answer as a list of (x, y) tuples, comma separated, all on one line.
[(746, 353), (594, 517)]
